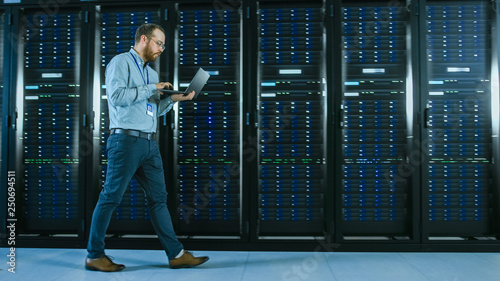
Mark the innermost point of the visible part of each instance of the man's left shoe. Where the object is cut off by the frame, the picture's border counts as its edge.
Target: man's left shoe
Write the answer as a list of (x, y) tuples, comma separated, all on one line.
[(103, 263), (187, 260)]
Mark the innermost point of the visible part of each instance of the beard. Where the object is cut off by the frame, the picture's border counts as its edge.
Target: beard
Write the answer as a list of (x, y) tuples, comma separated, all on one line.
[(149, 55)]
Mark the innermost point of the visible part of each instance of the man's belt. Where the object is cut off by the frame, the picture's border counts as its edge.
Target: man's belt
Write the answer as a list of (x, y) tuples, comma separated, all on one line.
[(149, 136)]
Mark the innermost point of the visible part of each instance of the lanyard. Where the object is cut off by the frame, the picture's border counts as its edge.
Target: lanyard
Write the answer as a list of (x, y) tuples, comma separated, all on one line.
[(140, 69)]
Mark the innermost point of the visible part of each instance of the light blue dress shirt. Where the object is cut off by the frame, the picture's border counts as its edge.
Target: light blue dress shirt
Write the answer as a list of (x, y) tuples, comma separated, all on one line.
[(133, 100)]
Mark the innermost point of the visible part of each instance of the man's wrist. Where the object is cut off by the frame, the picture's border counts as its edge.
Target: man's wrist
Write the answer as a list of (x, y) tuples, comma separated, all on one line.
[(152, 88)]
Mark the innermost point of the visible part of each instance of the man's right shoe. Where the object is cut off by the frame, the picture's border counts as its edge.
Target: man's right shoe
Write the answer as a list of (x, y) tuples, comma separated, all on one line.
[(103, 263), (187, 260)]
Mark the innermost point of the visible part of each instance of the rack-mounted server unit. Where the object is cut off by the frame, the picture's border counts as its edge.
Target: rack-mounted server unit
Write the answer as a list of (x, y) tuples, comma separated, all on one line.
[(375, 197), (47, 137), (457, 181), (207, 132), (291, 120)]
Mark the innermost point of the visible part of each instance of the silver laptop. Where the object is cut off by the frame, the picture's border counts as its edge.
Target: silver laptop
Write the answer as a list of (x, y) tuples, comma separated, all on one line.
[(196, 85)]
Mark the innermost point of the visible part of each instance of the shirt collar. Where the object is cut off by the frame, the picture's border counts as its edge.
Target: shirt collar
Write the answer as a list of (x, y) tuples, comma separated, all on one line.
[(140, 61)]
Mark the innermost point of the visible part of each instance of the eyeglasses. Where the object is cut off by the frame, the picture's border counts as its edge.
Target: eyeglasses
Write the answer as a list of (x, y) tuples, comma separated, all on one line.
[(159, 43)]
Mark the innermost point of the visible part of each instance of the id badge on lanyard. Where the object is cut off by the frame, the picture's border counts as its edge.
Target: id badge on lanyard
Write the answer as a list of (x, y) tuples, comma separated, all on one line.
[(149, 107)]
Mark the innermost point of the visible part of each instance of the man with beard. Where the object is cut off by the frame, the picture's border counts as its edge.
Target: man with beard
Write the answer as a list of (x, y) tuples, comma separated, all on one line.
[(134, 106)]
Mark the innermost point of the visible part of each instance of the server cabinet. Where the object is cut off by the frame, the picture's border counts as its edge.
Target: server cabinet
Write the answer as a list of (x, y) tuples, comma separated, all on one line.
[(458, 181), (207, 132), (375, 120), (291, 119), (48, 99), (115, 32)]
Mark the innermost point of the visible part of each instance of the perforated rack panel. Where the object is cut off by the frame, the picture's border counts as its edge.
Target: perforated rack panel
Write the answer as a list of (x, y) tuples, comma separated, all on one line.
[(458, 118), (208, 128), (50, 142), (291, 106), (374, 196)]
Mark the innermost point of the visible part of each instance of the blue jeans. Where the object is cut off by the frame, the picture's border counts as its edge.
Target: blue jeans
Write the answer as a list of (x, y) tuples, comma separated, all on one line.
[(133, 156)]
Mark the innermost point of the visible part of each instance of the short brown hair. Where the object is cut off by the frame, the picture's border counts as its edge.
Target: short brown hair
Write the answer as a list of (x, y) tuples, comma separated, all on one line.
[(146, 29)]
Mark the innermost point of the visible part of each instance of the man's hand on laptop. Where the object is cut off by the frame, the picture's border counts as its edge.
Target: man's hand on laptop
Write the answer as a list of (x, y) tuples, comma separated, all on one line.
[(164, 85), (182, 97), (175, 97)]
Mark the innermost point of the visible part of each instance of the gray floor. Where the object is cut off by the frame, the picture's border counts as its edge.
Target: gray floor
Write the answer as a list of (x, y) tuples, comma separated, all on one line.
[(143, 265)]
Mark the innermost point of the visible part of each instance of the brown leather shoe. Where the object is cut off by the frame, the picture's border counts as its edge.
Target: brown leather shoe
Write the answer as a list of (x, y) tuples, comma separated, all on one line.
[(103, 263), (187, 260)]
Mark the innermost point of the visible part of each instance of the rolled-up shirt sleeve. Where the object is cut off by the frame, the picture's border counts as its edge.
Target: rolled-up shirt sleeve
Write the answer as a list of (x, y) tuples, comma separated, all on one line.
[(117, 73), (165, 106)]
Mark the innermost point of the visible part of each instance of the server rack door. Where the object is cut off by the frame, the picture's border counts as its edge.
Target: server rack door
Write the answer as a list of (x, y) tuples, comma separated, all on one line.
[(47, 136), (207, 132), (457, 195), (291, 119), (115, 29), (375, 198)]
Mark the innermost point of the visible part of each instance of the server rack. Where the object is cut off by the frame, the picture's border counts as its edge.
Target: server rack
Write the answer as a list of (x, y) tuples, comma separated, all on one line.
[(459, 191), (115, 33), (495, 112), (291, 120), (376, 120), (207, 132), (48, 98)]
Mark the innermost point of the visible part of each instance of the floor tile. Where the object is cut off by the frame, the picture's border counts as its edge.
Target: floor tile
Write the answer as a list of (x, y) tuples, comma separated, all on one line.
[(373, 266), (287, 266), (453, 266)]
